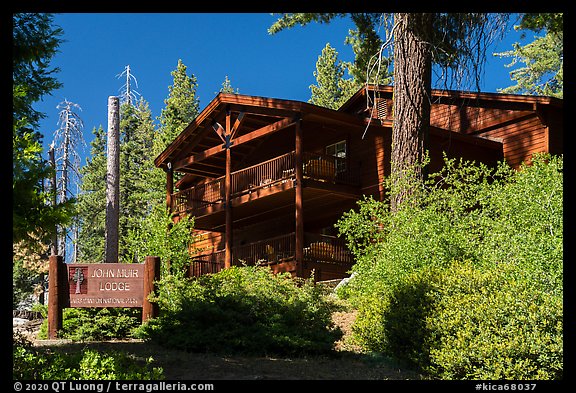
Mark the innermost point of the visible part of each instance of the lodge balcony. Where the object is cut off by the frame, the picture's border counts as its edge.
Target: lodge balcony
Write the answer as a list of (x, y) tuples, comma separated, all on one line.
[(327, 256), (268, 187)]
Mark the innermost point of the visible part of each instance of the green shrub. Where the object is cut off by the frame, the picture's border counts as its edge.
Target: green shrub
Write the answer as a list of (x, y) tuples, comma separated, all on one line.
[(243, 309), (93, 324), (158, 235), (492, 327), (35, 363), (470, 323), (508, 225)]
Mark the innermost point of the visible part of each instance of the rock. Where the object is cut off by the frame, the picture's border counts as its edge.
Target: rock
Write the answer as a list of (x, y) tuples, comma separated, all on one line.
[(26, 314), (344, 282), (18, 321)]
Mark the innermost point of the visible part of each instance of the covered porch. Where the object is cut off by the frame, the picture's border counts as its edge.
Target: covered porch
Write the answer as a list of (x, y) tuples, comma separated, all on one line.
[(326, 255)]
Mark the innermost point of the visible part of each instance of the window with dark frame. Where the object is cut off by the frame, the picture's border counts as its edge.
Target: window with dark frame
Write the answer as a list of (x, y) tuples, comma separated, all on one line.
[(338, 150)]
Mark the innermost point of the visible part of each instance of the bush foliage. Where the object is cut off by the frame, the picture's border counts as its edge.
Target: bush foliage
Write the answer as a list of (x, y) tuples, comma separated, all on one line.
[(93, 324), (36, 363), (243, 309), (472, 323), (465, 279)]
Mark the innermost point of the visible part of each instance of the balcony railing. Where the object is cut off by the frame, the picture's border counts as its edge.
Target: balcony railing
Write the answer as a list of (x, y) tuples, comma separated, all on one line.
[(263, 175), (277, 170), (328, 250), (208, 263), (330, 169), (276, 249), (198, 197)]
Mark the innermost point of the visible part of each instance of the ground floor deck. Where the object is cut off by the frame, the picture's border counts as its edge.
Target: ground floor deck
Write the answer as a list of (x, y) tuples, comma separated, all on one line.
[(326, 256)]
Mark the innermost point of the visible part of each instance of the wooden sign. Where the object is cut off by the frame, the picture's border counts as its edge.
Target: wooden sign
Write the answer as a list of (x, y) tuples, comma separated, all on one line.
[(100, 285), (106, 285)]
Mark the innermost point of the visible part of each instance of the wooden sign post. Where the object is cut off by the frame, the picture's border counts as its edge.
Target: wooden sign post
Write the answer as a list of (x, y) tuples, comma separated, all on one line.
[(100, 285)]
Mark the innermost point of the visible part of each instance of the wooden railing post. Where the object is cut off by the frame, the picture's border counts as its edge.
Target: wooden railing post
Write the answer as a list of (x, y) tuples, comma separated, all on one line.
[(169, 187), (299, 209), (151, 274), (56, 290)]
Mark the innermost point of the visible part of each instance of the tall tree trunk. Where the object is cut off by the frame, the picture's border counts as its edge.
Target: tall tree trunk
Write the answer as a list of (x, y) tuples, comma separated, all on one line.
[(54, 240), (64, 186), (412, 88), (113, 181)]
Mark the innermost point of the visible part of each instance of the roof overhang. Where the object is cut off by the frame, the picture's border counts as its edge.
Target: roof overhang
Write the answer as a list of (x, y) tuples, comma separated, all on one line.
[(364, 97), (200, 147)]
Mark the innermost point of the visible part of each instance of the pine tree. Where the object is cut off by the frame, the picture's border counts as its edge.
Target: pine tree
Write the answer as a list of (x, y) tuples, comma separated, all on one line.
[(142, 185), (332, 90), (136, 136), (227, 87), (370, 65), (35, 41), (181, 108), (92, 201), (543, 58), (455, 42), (137, 130)]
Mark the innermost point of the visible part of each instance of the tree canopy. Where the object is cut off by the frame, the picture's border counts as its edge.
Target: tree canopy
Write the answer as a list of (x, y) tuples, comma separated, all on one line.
[(455, 42), (331, 90), (141, 183), (35, 42), (543, 58)]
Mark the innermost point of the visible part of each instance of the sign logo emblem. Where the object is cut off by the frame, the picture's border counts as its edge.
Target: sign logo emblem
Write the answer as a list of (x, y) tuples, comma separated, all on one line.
[(77, 277)]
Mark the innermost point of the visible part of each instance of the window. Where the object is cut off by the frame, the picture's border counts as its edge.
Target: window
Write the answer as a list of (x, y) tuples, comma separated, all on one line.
[(338, 150)]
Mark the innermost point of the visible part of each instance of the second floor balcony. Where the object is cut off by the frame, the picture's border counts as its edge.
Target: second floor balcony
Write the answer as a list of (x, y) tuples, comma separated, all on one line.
[(274, 175)]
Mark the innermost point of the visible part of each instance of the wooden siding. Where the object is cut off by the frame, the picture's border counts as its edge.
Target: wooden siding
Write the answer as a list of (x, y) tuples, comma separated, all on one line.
[(524, 124), (466, 120), (206, 242), (520, 140), (373, 155), (521, 132)]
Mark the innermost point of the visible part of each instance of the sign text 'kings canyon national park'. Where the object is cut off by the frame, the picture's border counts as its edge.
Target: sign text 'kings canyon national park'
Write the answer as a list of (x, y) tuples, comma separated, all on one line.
[(106, 285)]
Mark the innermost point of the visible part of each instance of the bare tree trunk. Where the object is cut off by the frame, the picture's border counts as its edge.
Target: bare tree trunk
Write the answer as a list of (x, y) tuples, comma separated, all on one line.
[(54, 241), (64, 186), (113, 181), (412, 87)]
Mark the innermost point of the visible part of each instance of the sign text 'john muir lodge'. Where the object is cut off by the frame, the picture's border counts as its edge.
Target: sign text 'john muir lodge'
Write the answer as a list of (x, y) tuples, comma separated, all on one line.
[(106, 285)]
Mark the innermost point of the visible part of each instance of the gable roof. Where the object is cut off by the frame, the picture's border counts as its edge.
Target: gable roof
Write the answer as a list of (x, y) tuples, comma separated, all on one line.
[(363, 97), (248, 113)]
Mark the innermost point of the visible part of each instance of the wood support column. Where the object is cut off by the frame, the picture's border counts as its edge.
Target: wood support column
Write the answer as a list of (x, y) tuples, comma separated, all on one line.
[(151, 275), (299, 200), (228, 195), (169, 186), (56, 292)]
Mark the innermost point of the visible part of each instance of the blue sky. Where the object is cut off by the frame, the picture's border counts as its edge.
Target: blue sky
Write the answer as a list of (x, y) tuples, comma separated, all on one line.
[(97, 47)]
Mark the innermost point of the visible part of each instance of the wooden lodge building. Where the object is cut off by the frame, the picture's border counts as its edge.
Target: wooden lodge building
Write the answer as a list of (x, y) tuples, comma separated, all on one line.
[(266, 179)]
